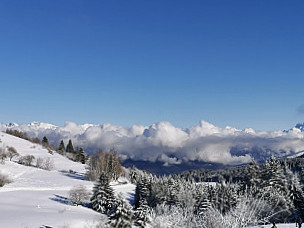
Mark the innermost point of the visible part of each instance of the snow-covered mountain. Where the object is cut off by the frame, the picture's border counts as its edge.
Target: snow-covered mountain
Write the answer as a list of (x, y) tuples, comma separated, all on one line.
[(11, 125), (41, 125), (170, 145), (39, 198)]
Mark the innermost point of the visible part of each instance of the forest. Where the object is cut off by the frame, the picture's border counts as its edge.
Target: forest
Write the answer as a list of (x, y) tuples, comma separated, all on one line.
[(254, 194)]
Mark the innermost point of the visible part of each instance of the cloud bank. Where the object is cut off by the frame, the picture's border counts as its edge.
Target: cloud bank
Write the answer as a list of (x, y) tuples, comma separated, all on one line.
[(171, 145)]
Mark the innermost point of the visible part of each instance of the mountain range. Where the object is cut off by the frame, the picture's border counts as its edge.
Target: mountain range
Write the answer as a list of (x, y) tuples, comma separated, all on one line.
[(172, 147)]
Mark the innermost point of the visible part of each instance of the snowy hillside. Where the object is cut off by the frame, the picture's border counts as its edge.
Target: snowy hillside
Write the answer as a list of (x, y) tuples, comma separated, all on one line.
[(38, 197)]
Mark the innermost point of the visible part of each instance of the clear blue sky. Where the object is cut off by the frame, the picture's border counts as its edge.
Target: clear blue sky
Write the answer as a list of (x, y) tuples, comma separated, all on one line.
[(237, 63)]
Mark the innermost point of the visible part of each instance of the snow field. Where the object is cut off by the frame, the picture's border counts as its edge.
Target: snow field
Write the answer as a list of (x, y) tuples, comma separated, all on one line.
[(38, 197)]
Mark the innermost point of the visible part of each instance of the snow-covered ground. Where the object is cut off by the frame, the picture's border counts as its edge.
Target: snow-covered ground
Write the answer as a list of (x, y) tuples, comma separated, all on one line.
[(290, 225), (39, 198)]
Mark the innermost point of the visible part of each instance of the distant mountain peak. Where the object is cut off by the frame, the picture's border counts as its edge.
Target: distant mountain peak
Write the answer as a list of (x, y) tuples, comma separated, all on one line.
[(300, 126), (12, 124), (42, 125)]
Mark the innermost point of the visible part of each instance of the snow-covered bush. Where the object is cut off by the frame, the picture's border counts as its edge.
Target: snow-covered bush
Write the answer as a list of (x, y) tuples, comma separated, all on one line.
[(26, 160), (48, 164), (39, 163), (3, 155), (79, 195), (4, 180), (165, 216), (12, 152), (248, 212)]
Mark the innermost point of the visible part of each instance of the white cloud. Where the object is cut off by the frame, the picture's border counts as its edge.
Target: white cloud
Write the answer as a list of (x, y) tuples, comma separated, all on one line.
[(166, 143)]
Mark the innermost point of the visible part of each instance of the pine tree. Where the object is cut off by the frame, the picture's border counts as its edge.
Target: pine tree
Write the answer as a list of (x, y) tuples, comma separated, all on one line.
[(172, 192), (252, 179), (276, 190), (298, 197), (103, 199), (80, 156), (61, 148), (142, 192), (123, 215), (142, 214), (45, 141), (70, 148)]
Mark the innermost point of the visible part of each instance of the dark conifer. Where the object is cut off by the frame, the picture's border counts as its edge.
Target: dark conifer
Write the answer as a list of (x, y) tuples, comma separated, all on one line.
[(80, 156), (61, 148), (70, 148), (45, 142)]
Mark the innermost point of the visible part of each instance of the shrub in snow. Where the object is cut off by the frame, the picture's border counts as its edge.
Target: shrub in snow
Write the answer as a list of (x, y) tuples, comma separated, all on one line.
[(12, 152), (4, 180), (39, 162), (79, 195), (26, 160), (166, 216), (3, 155), (48, 164), (248, 212)]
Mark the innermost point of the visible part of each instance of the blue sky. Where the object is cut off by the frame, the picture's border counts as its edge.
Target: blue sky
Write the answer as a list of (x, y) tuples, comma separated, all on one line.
[(237, 63)]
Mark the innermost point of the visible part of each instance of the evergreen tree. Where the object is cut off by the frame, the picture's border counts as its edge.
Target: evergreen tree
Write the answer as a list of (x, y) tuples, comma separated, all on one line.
[(123, 215), (45, 141), (276, 190), (298, 198), (70, 148), (142, 192), (142, 214), (103, 199), (80, 156), (172, 192), (252, 179), (61, 148)]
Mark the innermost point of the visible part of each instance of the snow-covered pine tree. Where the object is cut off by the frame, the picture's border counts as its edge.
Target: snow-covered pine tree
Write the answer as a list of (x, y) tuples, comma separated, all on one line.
[(202, 203), (123, 214), (186, 195), (142, 192), (103, 199), (252, 179), (142, 215), (172, 192), (298, 196), (276, 190), (273, 175)]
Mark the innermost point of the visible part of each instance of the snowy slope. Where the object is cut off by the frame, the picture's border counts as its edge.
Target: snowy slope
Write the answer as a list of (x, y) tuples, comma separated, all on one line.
[(38, 197)]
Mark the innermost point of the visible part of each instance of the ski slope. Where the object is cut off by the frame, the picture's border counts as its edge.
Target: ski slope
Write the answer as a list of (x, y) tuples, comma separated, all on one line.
[(39, 198)]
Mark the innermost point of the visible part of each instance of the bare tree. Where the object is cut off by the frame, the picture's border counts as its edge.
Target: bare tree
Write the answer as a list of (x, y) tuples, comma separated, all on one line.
[(79, 195), (104, 162)]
